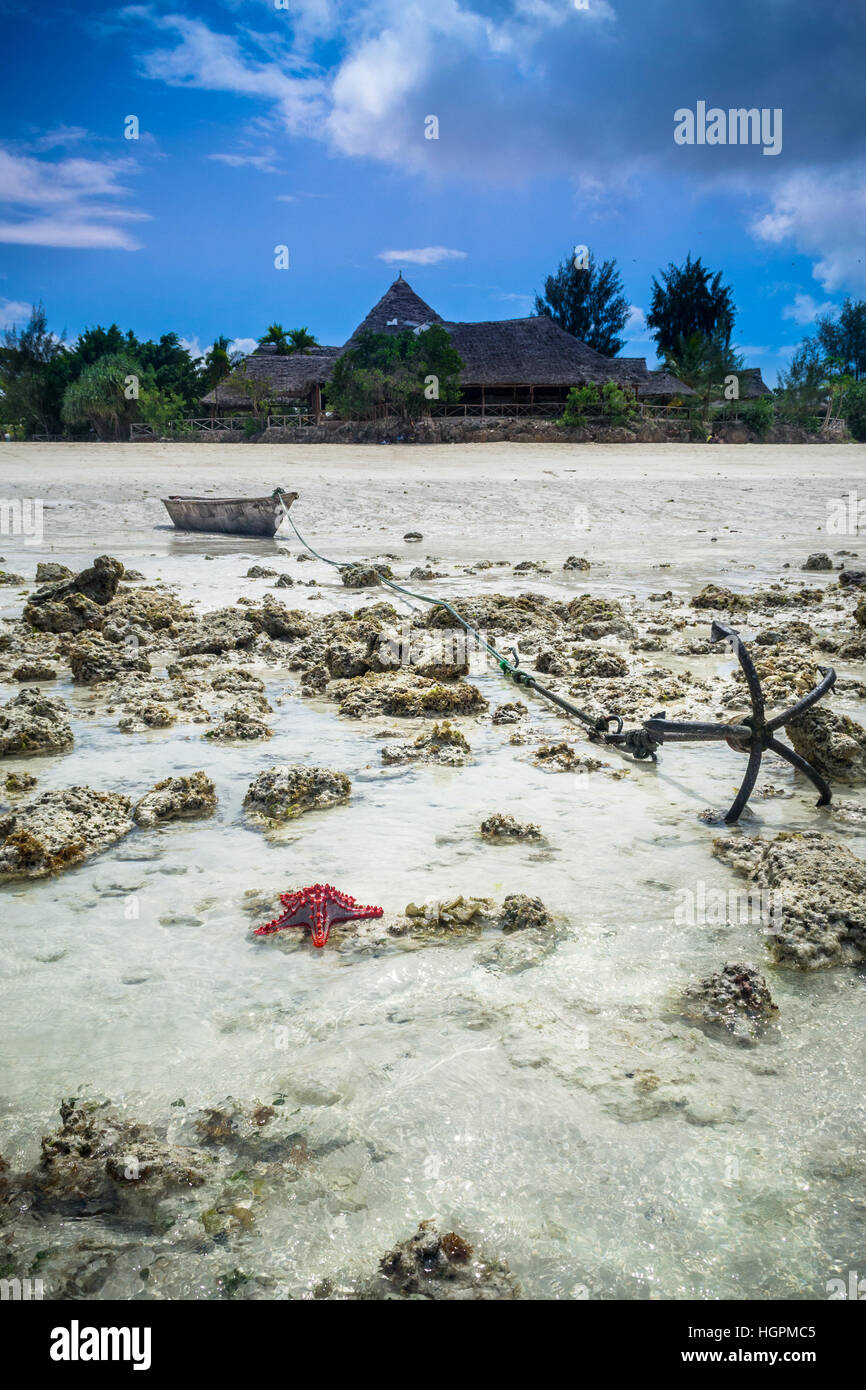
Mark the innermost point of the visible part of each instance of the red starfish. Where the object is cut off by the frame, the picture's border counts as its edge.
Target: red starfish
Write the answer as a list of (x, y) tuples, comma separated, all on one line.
[(318, 908)]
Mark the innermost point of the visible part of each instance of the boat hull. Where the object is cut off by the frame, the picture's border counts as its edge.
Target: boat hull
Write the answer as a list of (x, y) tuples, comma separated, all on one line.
[(229, 516)]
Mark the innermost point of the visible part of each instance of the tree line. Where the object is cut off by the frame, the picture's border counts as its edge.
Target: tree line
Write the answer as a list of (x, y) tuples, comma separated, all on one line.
[(691, 318), (108, 379)]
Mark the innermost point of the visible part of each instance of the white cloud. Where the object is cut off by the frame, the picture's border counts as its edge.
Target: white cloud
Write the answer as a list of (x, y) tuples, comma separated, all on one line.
[(635, 329), (823, 215), (422, 255), (216, 62), (805, 309), (748, 351), (194, 348), (263, 162), (57, 203), (13, 311)]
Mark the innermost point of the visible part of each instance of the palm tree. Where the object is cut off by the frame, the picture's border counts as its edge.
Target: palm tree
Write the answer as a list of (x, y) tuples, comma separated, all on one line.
[(217, 362), (277, 334), (301, 340)]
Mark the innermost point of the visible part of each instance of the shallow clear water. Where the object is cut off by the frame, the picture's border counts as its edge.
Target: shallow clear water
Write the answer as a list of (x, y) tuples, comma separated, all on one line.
[(560, 1115)]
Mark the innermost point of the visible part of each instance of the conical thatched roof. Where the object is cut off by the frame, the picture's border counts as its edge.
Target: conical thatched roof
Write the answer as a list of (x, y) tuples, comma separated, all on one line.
[(400, 307)]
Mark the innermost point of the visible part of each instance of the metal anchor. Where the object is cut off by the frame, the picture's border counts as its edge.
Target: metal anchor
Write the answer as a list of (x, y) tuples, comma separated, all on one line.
[(755, 735)]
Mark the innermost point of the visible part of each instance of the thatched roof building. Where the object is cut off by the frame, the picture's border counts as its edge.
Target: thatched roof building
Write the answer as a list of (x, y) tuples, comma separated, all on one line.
[(524, 363), (752, 384), (292, 379)]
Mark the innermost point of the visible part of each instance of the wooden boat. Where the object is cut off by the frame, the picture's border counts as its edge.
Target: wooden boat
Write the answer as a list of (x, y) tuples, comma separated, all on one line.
[(230, 516)]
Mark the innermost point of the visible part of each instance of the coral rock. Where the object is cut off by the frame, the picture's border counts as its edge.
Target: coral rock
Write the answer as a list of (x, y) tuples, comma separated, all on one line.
[(177, 798), (290, 789), (59, 830), (736, 999), (31, 723)]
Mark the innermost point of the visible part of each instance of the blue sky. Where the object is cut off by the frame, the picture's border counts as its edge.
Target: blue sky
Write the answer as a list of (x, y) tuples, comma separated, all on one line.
[(302, 123)]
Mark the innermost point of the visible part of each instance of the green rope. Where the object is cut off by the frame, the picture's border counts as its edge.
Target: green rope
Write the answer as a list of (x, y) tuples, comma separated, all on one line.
[(508, 669)]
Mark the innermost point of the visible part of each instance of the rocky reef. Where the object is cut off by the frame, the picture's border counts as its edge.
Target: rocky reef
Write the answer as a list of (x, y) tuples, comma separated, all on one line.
[(431, 1265), (443, 744), (289, 790), (100, 1161), (820, 917), (405, 693), (32, 723), (833, 743), (70, 605), (735, 1000), (501, 826), (176, 798), (60, 829)]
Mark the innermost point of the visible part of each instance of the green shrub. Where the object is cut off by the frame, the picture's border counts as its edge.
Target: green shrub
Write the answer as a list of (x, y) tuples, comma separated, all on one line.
[(579, 399), (617, 403), (759, 415), (854, 410)]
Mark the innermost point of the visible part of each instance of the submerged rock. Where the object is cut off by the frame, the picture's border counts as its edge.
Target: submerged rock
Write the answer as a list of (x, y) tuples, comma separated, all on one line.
[(92, 660), (819, 887), (509, 714), (431, 1265), (177, 798), (31, 723), (833, 743), (7, 577), (505, 827), (722, 600), (577, 562), (17, 783), (520, 913), (452, 917), (736, 999), (281, 793), (99, 1161), (444, 744), (34, 671), (240, 723), (402, 692), (361, 576), (59, 830), (564, 757), (818, 561)]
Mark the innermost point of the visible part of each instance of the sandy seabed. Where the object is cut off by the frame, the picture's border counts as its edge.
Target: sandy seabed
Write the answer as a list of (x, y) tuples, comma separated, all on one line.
[(558, 1116)]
